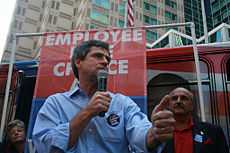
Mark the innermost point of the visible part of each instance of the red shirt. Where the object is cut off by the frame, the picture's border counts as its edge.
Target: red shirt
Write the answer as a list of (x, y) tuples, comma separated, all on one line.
[(183, 141)]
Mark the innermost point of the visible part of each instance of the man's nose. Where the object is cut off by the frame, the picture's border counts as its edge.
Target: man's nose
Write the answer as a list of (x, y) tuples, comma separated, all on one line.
[(14, 134), (105, 60), (178, 99)]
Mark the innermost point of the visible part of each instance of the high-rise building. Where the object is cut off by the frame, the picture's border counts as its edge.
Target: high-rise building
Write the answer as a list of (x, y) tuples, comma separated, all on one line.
[(193, 13), (220, 11), (34, 16), (27, 17)]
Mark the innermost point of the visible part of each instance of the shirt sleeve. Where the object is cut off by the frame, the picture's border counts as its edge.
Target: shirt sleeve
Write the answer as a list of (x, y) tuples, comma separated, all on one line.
[(137, 126), (49, 132)]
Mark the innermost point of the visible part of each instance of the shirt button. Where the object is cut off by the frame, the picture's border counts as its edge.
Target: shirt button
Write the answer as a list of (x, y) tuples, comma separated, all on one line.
[(90, 130)]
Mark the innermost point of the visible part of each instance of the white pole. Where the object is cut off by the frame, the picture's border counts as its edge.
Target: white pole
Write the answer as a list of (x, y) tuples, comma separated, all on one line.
[(166, 25), (197, 64), (171, 40), (126, 15), (204, 22), (5, 104)]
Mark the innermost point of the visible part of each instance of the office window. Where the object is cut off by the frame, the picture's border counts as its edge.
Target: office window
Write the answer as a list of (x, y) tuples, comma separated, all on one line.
[(120, 23), (116, 7), (151, 36), (102, 3), (43, 4), (151, 8), (20, 26), (73, 25), (136, 14), (52, 19), (121, 8), (171, 4), (112, 6), (15, 24), (19, 10), (57, 5), (40, 17), (52, 4), (111, 21), (224, 12), (74, 11), (95, 15), (149, 20), (23, 11), (93, 26), (215, 6), (170, 15)]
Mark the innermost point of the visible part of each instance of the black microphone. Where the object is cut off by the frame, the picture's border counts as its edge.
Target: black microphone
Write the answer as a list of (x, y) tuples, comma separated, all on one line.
[(102, 84)]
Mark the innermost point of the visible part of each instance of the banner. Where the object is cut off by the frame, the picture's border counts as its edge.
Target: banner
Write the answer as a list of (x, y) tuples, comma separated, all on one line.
[(127, 70)]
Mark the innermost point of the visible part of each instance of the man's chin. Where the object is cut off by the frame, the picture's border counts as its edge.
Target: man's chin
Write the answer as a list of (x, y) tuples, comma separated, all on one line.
[(19, 140), (179, 113)]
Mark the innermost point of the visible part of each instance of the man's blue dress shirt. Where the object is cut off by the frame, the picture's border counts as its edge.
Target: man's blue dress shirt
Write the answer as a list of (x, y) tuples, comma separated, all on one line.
[(123, 125)]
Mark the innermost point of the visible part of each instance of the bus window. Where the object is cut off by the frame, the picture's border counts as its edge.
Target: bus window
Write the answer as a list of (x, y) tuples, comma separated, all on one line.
[(227, 104), (228, 70)]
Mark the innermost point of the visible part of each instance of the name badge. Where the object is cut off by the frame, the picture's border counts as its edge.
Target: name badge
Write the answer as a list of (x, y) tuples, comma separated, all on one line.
[(198, 138), (113, 120)]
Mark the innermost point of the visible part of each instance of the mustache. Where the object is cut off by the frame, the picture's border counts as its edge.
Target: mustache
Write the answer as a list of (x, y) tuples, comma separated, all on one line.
[(179, 104)]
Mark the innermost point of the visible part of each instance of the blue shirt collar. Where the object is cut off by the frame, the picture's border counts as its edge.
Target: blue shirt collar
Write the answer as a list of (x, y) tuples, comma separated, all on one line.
[(74, 91)]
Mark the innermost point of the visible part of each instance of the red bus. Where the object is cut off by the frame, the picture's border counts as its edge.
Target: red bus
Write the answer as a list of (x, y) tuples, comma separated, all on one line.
[(168, 68)]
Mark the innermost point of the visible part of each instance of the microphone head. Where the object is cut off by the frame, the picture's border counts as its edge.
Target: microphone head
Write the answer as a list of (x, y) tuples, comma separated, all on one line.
[(102, 74), (102, 80)]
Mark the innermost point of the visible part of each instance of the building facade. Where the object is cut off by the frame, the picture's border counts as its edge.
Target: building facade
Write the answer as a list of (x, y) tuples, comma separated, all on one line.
[(220, 11), (33, 16), (193, 13)]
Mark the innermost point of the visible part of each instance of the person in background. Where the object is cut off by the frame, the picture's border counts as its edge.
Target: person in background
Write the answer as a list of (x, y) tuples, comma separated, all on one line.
[(191, 135), (15, 138), (70, 122)]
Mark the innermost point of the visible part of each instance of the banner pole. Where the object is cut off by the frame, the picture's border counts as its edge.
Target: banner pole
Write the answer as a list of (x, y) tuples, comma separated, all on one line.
[(198, 74), (8, 83)]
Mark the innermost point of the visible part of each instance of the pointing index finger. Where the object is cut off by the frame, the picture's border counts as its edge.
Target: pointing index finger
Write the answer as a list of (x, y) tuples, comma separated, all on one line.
[(164, 103)]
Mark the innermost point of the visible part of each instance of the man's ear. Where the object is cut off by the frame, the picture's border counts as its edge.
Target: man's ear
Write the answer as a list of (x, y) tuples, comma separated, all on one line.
[(77, 62), (191, 107)]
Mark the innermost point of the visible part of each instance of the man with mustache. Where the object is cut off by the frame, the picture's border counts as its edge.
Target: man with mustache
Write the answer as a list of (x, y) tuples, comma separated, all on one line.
[(190, 135)]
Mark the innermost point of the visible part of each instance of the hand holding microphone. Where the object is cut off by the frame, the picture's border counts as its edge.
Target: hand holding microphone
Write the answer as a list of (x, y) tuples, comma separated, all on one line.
[(102, 84), (100, 101)]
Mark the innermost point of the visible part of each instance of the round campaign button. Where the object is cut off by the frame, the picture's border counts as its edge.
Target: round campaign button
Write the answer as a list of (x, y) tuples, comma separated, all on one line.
[(113, 119)]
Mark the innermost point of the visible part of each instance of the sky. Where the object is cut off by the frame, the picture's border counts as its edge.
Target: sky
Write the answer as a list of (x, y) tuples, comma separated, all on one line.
[(6, 12)]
